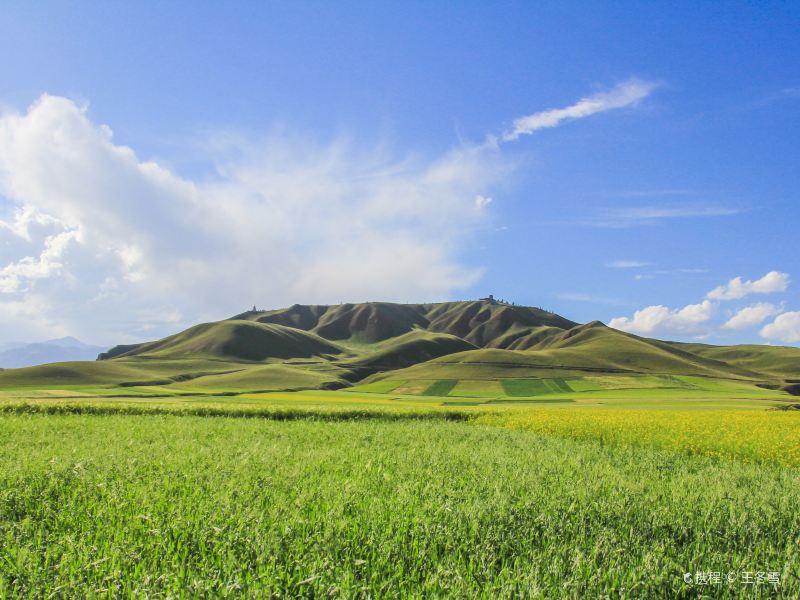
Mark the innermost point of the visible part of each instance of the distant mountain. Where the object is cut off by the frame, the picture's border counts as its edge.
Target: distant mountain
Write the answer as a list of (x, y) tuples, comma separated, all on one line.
[(14, 355)]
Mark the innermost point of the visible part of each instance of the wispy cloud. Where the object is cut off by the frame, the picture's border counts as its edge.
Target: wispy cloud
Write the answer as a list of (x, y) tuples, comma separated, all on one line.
[(660, 193), (624, 94), (589, 298), (627, 264), (788, 93), (651, 215), (661, 272)]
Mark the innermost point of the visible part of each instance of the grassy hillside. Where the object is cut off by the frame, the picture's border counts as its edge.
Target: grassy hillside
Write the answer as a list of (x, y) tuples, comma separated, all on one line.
[(239, 340), (481, 323), (597, 346), (492, 325), (409, 349), (72, 373), (780, 361), (582, 350), (467, 348), (270, 377), (124, 372), (369, 322)]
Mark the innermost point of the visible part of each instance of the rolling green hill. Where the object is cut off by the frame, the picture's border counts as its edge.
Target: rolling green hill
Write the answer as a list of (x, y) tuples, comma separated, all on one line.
[(481, 323), (238, 340), (781, 361), (481, 349), (409, 349), (591, 348)]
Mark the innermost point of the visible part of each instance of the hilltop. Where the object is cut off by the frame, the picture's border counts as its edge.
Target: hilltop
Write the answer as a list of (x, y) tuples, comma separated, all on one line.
[(448, 347)]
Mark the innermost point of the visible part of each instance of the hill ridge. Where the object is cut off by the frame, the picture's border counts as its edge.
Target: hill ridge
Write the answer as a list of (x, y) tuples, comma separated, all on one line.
[(334, 346)]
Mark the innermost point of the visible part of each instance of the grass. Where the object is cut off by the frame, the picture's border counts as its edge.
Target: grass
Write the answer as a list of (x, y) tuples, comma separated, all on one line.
[(477, 388), (524, 387), (440, 388), (781, 361), (378, 387), (167, 506), (239, 340)]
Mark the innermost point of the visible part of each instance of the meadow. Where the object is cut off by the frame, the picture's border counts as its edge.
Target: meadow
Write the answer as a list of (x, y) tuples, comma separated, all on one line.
[(376, 494), (118, 505)]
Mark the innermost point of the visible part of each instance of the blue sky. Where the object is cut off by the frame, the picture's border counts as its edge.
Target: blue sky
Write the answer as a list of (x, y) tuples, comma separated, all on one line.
[(166, 163)]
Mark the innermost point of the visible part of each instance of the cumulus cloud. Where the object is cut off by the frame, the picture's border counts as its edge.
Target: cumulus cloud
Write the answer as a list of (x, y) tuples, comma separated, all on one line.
[(48, 263), (116, 243), (122, 248), (624, 94), (662, 320), (695, 320), (785, 328), (736, 288), (24, 218), (750, 316)]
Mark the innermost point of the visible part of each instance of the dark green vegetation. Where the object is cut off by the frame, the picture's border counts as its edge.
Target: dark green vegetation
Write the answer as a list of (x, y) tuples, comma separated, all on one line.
[(481, 349), (120, 506)]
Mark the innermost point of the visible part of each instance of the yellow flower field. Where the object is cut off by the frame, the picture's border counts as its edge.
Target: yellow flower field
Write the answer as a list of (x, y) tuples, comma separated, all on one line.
[(751, 436)]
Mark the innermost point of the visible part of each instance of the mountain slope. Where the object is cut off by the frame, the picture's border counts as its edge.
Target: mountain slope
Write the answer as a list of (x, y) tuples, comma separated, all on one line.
[(237, 340), (470, 342), (598, 346), (584, 349), (781, 361), (409, 349), (481, 323)]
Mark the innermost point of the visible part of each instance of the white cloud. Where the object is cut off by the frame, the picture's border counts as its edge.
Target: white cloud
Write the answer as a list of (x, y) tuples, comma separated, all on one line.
[(625, 94), (785, 328), (24, 217), (482, 202), (108, 237), (662, 320), (772, 282), (48, 263), (626, 264), (750, 316), (117, 242), (651, 215), (694, 319)]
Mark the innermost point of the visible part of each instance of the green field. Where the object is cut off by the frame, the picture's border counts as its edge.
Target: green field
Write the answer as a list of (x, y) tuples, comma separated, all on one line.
[(333, 493), (166, 505)]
